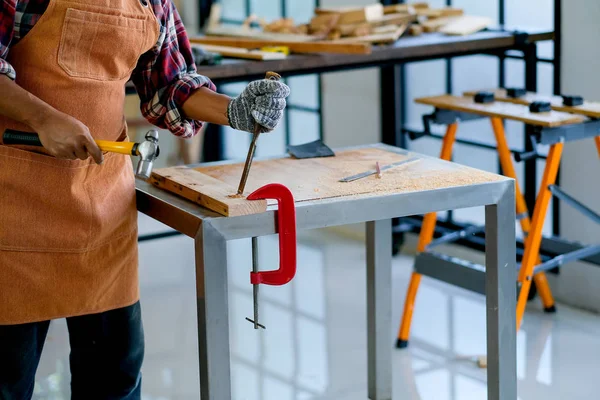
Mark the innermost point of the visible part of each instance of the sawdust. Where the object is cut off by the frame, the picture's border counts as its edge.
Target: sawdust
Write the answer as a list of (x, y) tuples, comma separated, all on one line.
[(235, 196)]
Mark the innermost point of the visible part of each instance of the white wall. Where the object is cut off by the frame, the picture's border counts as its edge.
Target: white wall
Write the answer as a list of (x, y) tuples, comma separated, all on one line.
[(578, 283)]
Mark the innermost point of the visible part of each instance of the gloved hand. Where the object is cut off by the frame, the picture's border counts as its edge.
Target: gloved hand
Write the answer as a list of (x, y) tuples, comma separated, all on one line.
[(262, 101)]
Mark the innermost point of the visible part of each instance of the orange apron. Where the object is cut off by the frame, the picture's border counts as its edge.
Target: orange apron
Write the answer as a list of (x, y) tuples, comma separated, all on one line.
[(68, 228)]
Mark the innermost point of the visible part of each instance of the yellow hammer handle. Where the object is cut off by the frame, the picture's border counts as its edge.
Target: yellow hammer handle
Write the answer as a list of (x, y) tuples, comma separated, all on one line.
[(116, 147)]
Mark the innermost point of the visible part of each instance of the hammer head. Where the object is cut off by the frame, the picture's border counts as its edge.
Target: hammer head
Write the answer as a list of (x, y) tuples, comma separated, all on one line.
[(148, 151)]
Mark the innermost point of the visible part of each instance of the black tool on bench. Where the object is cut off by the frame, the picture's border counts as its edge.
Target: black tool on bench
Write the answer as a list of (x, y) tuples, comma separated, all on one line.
[(515, 93), (572, 101), (484, 97), (311, 150), (540, 107)]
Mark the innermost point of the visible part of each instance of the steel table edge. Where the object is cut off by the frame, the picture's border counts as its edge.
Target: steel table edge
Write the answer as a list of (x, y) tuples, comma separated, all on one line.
[(336, 212), (175, 212)]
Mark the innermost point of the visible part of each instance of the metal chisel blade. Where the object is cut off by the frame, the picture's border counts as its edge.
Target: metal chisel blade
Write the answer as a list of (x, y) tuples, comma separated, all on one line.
[(374, 171)]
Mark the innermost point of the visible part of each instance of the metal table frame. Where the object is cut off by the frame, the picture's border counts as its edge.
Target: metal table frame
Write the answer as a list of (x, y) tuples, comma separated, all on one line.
[(211, 232)]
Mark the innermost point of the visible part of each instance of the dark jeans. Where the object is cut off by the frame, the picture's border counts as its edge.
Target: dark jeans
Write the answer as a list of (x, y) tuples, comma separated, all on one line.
[(107, 351)]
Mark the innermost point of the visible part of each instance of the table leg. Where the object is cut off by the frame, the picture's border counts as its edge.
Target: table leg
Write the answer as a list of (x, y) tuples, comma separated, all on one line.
[(501, 282), (379, 309), (213, 311)]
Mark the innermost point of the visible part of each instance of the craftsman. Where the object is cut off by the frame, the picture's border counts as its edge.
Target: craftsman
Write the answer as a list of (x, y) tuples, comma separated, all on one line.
[(68, 218)]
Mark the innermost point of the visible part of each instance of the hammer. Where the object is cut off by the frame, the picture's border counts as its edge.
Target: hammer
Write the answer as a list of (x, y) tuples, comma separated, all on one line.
[(147, 150)]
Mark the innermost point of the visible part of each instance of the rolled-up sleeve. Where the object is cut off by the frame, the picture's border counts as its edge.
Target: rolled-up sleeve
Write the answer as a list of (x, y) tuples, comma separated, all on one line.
[(166, 76), (7, 22)]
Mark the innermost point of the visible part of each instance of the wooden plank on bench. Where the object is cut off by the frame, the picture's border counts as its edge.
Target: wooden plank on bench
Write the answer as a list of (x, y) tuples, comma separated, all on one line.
[(588, 108), (504, 110)]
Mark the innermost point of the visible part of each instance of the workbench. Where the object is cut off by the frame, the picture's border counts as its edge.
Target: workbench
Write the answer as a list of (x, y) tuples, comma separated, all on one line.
[(451, 187)]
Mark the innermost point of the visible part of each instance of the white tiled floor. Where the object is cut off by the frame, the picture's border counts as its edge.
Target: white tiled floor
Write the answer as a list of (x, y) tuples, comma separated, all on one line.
[(314, 345)]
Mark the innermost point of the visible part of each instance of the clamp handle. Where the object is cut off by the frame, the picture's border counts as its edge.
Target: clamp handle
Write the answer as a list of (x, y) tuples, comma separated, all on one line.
[(286, 226)]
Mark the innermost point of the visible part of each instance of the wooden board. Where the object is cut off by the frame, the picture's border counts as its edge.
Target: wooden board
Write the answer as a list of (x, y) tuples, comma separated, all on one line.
[(434, 25), (204, 190), (391, 19), (238, 52), (354, 15), (588, 108), (515, 112), (440, 12), (314, 179), (377, 38), (294, 47), (251, 33), (406, 8), (466, 25)]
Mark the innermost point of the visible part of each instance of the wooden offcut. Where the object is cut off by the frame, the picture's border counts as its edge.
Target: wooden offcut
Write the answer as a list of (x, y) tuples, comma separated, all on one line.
[(378, 38), (313, 179), (440, 12), (515, 112), (353, 15), (205, 190), (293, 46), (251, 33), (466, 25), (237, 52), (588, 108), (434, 25), (405, 8), (368, 27)]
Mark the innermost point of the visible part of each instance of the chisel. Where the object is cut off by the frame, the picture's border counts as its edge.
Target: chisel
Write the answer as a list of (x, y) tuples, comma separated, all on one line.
[(252, 149), (378, 170)]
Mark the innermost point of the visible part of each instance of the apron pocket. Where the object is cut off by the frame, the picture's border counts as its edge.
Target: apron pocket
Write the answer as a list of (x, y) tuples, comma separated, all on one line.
[(43, 203), (100, 46)]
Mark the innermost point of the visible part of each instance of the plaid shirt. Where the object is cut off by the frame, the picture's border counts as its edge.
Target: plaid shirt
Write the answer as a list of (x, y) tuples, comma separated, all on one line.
[(164, 78)]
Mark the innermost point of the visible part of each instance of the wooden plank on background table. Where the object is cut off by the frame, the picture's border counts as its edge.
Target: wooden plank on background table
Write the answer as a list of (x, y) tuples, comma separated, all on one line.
[(377, 38), (588, 108), (510, 111), (434, 25), (354, 15), (405, 8), (238, 52), (466, 25), (251, 33), (204, 190), (295, 47), (315, 179)]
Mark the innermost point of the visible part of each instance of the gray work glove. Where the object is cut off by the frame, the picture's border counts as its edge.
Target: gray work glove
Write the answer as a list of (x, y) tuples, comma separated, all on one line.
[(262, 101)]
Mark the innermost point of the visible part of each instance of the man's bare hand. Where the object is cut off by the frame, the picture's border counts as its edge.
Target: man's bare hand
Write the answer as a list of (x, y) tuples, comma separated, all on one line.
[(66, 137)]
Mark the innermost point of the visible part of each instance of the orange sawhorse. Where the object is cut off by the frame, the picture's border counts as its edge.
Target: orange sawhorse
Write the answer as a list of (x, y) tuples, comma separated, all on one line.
[(531, 250)]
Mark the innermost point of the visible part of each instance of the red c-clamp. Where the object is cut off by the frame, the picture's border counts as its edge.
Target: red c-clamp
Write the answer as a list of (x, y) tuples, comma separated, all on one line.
[(286, 228)]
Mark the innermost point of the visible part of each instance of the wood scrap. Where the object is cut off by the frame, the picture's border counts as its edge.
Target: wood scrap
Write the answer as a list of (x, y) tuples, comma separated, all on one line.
[(323, 24), (293, 46), (377, 38), (415, 30), (434, 25), (466, 25), (354, 15), (440, 12), (205, 190), (405, 8), (252, 33), (283, 25), (238, 52), (366, 28)]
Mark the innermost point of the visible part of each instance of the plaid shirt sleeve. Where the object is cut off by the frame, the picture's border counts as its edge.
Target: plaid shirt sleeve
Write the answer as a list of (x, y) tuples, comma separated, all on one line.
[(166, 77), (7, 20)]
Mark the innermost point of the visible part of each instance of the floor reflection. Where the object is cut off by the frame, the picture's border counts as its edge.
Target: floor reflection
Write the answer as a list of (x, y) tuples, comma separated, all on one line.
[(315, 341)]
